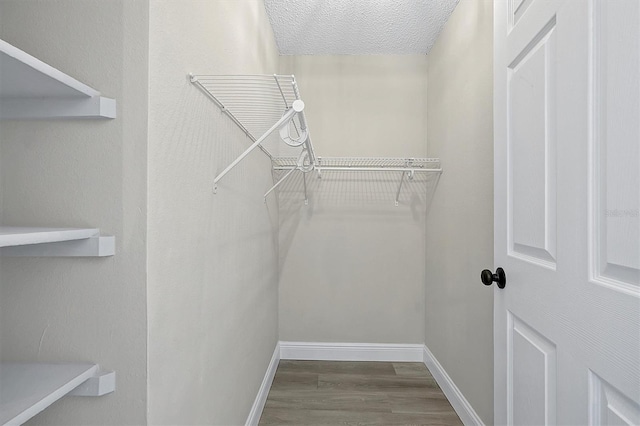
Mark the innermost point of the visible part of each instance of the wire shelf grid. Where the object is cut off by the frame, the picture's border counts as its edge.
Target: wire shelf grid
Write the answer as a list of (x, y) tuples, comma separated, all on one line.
[(258, 104), (253, 102), (364, 163), (381, 173)]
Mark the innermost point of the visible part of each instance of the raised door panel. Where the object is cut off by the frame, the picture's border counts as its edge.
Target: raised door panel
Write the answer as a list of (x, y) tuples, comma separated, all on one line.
[(517, 9), (532, 151), (615, 144), (531, 360), (608, 406)]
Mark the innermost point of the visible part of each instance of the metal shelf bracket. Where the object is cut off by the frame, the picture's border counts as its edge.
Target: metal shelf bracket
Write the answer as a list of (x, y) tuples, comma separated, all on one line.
[(254, 103)]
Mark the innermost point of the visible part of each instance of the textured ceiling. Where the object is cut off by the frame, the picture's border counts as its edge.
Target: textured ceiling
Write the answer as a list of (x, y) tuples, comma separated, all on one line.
[(357, 27)]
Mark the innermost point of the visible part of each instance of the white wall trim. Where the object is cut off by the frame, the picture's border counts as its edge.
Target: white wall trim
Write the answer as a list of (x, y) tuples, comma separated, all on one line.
[(263, 391), (319, 351), (464, 410)]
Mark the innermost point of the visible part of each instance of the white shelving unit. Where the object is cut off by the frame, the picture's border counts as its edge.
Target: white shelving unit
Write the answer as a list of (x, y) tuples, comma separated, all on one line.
[(27, 389), (54, 242), (31, 89), (18, 236)]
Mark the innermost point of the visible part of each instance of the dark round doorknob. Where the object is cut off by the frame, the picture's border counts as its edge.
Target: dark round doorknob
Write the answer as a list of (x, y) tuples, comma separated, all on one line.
[(489, 278)]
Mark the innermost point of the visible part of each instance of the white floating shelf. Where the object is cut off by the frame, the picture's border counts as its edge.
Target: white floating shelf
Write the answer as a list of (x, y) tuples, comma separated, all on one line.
[(18, 236), (27, 389), (55, 242), (29, 88)]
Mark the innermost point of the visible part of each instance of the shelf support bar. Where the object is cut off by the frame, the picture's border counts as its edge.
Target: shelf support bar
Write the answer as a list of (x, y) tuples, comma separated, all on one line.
[(286, 104), (278, 183), (303, 125), (102, 383), (285, 119), (306, 198), (399, 189)]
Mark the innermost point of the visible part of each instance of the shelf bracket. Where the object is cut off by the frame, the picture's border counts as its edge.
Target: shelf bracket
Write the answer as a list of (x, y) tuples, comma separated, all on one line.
[(102, 383), (98, 246), (286, 118), (304, 180), (282, 179), (399, 189), (300, 165), (410, 174)]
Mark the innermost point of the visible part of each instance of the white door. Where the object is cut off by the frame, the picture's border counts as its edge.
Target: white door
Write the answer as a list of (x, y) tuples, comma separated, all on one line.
[(567, 189)]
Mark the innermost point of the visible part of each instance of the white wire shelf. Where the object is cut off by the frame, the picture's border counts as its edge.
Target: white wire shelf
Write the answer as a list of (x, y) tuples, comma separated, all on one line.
[(404, 169), (253, 102), (365, 164), (262, 105)]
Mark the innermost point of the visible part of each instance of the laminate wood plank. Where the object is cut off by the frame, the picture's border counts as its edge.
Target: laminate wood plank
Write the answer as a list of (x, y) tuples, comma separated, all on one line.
[(275, 416), (330, 400), (412, 404), (356, 393), (380, 383), (338, 367), (411, 369), (294, 381)]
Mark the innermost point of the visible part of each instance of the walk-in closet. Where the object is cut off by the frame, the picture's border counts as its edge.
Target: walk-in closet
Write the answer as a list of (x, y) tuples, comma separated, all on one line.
[(243, 212)]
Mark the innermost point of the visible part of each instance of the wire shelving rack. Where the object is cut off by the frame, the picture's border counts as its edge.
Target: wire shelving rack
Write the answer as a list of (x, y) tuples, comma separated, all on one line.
[(262, 105)]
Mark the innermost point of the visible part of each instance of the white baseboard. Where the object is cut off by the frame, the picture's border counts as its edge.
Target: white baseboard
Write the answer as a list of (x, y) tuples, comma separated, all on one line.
[(263, 391), (464, 410), (318, 351)]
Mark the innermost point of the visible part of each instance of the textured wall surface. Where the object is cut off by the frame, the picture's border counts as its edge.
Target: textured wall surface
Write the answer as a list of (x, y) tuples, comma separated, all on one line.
[(459, 309), (82, 173), (213, 263), (357, 27), (364, 105), (352, 264)]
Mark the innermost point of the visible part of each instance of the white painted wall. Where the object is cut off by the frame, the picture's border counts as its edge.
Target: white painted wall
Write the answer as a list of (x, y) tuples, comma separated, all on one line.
[(352, 264), (369, 105), (459, 309), (213, 259), (89, 173)]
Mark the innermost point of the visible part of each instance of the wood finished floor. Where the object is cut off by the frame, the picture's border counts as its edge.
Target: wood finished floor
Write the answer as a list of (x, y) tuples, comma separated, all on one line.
[(356, 393)]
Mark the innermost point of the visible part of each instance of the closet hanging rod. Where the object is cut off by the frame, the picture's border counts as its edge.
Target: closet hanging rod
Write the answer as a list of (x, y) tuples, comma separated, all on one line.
[(237, 76), (364, 169), (365, 163)]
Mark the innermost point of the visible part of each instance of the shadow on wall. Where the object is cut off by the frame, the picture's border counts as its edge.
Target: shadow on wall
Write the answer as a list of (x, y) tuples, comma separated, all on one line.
[(350, 195)]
